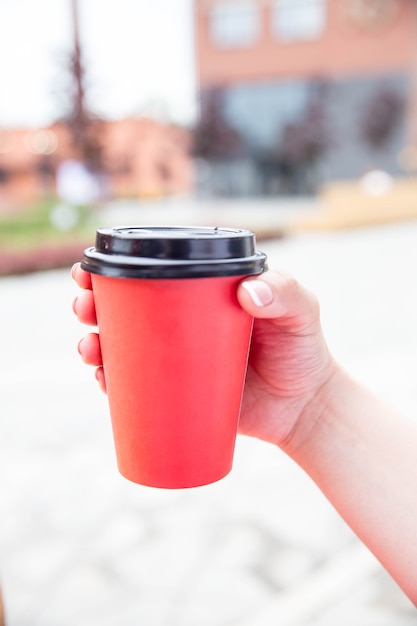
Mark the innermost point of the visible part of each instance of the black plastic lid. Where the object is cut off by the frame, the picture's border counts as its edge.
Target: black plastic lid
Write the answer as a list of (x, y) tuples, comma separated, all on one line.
[(173, 252)]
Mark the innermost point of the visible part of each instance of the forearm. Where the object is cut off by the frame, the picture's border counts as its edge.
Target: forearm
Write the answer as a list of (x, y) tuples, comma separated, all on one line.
[(363, 456)]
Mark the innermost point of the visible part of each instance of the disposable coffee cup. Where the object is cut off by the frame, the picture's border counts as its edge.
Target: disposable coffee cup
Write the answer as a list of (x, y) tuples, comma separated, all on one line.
[(175, 344)]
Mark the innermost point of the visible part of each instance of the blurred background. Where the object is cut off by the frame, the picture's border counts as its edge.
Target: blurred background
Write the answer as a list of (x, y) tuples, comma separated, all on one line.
[(294, 118), (137, 104)]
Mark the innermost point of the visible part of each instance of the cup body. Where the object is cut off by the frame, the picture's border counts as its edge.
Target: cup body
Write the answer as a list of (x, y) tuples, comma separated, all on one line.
[(175, 355), (175, 345)]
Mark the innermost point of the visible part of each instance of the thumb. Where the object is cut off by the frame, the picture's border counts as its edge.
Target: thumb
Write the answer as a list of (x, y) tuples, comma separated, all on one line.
[(275, 295)]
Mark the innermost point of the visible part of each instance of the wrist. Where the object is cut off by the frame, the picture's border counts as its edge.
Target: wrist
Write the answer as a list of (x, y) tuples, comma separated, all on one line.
[(315, 412)]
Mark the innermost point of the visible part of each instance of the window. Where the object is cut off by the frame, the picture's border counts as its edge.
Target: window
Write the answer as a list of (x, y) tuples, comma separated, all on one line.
[(235, 23), (294, 20), (276, 104)]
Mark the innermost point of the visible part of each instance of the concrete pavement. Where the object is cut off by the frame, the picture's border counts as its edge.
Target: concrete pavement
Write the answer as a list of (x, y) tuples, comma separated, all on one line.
[(268, 217), (81, 545)]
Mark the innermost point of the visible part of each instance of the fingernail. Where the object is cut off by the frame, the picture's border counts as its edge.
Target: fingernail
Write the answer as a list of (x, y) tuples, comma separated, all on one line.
[(74, 305), (260, 292), (74, 267), (79, 345)]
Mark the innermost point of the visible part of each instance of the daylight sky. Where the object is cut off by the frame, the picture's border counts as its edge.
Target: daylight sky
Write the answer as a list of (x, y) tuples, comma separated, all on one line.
[(139, 56)]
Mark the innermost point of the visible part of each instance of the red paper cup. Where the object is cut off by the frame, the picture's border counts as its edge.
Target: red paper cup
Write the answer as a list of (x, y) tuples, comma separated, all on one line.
[(175, 343)]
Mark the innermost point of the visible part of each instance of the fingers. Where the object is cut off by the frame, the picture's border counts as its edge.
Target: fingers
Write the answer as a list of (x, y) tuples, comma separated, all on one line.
[(278, 297), (83, 279), (84, 307), (89, 348), (100, 379)]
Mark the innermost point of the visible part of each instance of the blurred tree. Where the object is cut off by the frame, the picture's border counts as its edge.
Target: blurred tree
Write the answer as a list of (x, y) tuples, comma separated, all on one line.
[(84, 126), (290, 164), (213, 138), (306, 140), (381, 117)]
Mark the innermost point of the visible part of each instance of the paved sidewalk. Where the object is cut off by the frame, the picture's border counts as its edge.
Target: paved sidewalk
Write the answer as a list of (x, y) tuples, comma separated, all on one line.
[(270, 217), (79, 545)]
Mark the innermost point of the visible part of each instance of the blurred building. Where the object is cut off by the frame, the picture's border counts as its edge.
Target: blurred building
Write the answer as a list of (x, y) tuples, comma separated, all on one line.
[(145, 158), (140, 158), (294, 93)]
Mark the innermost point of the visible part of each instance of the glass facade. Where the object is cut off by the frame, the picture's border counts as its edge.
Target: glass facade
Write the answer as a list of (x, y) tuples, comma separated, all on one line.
[(295, 135), (260, 111)]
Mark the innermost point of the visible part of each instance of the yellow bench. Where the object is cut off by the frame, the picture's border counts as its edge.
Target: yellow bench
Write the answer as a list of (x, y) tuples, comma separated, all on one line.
[(360, 203)]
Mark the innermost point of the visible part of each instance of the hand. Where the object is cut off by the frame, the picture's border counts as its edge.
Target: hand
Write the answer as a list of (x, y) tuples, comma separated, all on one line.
[(360, 453), (289, 364), (84, 308)]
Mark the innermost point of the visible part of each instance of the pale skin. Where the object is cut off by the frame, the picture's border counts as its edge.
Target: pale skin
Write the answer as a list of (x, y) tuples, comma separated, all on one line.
[(361, 453)]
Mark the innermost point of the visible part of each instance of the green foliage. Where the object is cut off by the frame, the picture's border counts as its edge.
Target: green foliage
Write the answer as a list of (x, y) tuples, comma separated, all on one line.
[(34, 227)]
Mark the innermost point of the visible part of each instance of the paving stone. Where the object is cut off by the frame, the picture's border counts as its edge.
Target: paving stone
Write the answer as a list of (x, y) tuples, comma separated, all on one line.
[(81, 545)]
